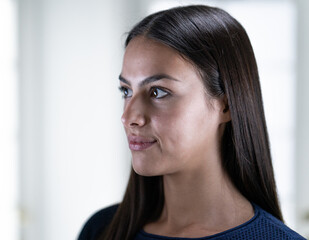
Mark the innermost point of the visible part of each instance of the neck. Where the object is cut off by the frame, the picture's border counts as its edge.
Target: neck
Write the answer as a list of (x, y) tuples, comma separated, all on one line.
[(201, 202)]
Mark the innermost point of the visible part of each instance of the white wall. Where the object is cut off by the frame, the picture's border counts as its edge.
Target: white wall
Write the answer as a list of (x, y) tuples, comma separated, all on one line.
[(8, 122), (73, 157), (30, 121), (302, 126)]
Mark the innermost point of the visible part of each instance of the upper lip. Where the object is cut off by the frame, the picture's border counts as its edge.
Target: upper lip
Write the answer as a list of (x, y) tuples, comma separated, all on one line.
[(140, 139)]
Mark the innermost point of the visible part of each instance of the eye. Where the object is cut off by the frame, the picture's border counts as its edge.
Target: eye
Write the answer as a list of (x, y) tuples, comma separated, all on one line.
[(157, 93), (126, 92)]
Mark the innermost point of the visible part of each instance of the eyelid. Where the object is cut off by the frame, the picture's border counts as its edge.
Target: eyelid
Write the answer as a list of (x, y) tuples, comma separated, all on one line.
[(167, 92), (161, 88), (123, 89)]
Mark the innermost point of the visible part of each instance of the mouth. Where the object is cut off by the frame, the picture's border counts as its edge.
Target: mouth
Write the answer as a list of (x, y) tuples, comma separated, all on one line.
[(137, 143)]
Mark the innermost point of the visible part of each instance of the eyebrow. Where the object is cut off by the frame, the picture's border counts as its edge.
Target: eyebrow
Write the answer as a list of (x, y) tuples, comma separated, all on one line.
[(148, 80)]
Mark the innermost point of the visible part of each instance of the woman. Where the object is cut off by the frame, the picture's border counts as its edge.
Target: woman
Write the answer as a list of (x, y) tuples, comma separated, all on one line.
[(194, 118)]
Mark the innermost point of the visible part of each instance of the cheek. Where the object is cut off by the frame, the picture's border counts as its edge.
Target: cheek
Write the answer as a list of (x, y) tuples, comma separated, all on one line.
[(184, 128), (171, 119), (178, 125)]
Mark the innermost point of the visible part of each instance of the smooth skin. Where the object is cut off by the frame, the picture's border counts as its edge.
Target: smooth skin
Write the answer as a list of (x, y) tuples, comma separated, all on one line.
[(166, 106)]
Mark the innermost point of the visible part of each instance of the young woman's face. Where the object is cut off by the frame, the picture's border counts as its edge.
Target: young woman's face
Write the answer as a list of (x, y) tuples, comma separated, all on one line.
[(171, 124)]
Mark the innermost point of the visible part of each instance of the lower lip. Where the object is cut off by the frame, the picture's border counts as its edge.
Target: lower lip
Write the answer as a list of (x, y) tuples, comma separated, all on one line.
[(139, 146)]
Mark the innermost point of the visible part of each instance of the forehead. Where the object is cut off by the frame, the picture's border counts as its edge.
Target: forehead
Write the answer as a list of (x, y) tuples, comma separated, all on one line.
[(144, 57)]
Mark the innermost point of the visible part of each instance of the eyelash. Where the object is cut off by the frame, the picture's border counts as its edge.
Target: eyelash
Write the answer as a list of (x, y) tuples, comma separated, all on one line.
[(166, 92), (122, 90)]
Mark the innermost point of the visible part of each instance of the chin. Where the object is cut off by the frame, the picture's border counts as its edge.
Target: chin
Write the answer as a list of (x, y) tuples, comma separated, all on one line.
[(146, 170)]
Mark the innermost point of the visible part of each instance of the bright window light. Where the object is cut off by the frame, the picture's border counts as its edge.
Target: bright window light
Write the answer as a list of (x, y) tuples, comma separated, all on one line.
[(8, 122)]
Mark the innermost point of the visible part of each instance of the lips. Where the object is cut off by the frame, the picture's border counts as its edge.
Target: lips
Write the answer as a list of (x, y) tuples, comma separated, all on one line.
[(139, 143)]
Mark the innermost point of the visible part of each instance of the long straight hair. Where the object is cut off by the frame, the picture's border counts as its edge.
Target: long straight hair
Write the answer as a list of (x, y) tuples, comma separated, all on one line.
[(218, 46)]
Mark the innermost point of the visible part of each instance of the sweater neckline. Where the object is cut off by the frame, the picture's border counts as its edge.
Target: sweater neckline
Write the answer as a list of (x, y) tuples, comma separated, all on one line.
[(151, 236)]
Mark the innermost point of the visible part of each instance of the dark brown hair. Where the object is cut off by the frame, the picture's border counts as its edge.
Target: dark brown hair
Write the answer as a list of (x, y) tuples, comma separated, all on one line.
[(218, 46)]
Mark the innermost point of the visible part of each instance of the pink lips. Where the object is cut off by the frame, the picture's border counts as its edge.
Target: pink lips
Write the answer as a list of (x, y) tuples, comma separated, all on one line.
[(137, 143)]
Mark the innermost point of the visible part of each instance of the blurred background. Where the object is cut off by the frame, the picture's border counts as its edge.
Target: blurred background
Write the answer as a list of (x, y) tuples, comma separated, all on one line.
[(63, 152)]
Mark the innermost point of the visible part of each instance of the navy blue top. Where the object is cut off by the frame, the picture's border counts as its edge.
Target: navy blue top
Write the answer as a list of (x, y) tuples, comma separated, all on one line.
[(262, 226)]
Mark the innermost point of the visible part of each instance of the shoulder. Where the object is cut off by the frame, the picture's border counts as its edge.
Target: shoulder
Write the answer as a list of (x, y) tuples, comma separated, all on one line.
[(97, 223), (270, 227)]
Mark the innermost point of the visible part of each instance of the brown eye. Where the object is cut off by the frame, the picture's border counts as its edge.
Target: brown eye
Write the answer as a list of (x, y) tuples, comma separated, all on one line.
[(126, 92), (157, 93)]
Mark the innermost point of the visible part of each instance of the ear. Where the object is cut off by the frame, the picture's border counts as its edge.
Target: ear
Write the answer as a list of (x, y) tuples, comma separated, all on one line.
[(225, 115)]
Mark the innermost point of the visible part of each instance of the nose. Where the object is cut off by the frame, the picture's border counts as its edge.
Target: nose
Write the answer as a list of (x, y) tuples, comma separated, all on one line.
[(134, 114)]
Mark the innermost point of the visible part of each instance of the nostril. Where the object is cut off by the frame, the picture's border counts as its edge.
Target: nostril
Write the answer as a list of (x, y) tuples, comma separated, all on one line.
[(133, 116)]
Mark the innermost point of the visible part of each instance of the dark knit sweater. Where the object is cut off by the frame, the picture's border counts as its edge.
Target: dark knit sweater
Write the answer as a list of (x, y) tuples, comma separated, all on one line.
[(262, 226)]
